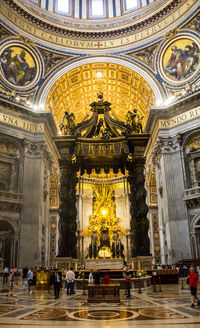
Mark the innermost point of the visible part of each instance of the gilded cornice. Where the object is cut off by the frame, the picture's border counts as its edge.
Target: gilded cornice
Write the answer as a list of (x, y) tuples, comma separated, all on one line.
[(102, 35)]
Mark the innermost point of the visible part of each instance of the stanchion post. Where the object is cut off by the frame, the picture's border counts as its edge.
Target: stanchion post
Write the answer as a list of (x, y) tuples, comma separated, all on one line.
[(160, 289), (139, 290), (182, 284), (84, 285), (154, 281)]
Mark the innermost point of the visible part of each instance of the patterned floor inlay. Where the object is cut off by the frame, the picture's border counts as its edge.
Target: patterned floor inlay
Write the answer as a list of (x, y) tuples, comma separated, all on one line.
[(160, 313), (18, 309), (103, 315), (18, 313), (6, 309), (193, 312), (47, 314)]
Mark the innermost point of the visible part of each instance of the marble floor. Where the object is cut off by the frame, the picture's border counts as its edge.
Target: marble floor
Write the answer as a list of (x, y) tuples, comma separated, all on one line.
[(166, 309)]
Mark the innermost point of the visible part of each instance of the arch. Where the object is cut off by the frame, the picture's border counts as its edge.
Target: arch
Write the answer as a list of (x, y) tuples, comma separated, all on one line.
[(11, 222), (189, 136), (42, 96), (13, 141), (194, 222)]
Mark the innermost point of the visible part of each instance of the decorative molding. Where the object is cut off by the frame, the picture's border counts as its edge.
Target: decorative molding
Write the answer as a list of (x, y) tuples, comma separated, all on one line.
[(34, 149), (155, 18), (154, 84), (164, 146), (126, 18)]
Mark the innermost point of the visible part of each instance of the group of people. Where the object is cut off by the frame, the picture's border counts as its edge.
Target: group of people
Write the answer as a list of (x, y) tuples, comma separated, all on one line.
[(56, 279), (11, 277)]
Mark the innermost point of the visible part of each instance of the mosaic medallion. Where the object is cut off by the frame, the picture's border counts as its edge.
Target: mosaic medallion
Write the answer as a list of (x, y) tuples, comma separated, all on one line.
[(47, 314), (19, 66), (159, 312), (103, 315), (179, 61)]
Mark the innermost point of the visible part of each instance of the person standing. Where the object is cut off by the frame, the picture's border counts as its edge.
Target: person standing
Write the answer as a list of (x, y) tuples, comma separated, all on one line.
[(24, 273), (97, 277), (193, 282), (70, 276), (106, 279), (184, 270), (25, 285), (127, 276), (12, 276), (30, 280), (5, 275), (91, 278), (56, 283)]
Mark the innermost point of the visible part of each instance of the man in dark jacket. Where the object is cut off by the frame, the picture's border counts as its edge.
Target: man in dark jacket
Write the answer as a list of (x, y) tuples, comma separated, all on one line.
[(56, 281)]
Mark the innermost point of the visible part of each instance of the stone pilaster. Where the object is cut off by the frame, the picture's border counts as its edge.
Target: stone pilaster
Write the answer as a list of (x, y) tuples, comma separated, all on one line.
[(173, 219), (30, 248)]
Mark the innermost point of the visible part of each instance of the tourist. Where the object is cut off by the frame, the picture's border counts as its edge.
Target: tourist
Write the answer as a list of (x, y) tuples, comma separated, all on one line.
[(177, 269), (193, 281), (106, 279), (56, 282), (70, 276), (184, 270), (91, 278), (30, 280), (5, 275), (25, 285), (97, 277), (24, 273), (127, 276), (12, 276)]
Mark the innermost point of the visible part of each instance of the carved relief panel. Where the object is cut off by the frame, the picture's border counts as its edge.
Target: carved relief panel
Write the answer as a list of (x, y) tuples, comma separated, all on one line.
[(9, 166)]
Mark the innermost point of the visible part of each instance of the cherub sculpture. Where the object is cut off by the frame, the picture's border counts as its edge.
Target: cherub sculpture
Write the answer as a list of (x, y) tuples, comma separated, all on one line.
[(68, 126), (133, 120)]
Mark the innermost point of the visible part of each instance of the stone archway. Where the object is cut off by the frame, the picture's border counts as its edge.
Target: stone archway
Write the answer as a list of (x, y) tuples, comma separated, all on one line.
[(8, 252), (195, 236), (148, 77)]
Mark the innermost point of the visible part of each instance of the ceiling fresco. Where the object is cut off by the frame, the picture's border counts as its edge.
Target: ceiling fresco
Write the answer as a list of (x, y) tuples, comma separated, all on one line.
[(77, 89)]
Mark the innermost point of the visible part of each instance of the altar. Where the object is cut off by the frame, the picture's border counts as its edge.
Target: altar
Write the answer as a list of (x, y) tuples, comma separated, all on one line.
[(98, 264), (103, 293)]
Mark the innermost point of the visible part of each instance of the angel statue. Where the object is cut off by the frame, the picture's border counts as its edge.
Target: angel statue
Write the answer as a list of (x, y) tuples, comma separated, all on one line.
[(68, 125), (133, 120)]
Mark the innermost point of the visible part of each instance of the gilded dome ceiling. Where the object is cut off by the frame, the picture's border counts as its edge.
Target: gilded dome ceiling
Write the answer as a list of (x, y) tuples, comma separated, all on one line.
[(77, 89)]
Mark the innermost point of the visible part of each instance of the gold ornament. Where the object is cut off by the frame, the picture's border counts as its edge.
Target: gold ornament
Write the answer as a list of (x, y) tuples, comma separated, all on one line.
[(104, 214)]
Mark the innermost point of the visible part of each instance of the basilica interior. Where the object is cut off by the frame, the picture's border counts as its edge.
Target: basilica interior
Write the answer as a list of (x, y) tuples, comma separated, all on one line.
[(99, 151)]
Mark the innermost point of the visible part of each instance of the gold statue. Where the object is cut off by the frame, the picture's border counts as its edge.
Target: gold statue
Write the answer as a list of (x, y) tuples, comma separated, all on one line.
[(103, 220), (68, 125)]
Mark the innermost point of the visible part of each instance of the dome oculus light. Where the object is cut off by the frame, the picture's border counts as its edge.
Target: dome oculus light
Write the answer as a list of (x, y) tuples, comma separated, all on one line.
[(131, 4), (63, 6), (97, 8)]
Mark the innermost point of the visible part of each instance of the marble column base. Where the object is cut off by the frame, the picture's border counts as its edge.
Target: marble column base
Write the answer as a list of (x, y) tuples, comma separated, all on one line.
[(142, 263), (97, 264)]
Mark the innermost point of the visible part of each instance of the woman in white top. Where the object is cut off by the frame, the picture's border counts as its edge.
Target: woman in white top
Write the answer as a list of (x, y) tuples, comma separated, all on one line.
[(91, 279)]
